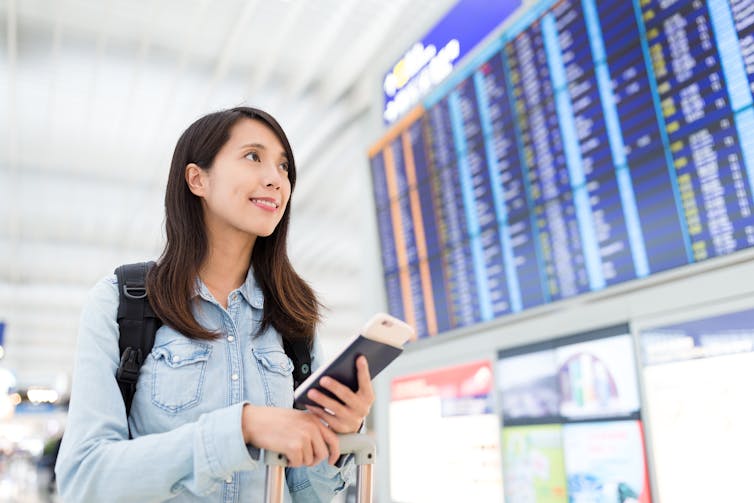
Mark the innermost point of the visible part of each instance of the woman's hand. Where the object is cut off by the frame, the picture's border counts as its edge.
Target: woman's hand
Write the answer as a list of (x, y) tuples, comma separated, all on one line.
[(301, 437), (348, 416)]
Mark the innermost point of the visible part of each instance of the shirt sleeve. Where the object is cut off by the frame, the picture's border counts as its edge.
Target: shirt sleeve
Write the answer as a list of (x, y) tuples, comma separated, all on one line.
[(98, 462)]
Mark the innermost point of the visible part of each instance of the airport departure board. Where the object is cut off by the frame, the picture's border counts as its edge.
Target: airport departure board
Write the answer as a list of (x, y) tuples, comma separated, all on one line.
[(590, 144)]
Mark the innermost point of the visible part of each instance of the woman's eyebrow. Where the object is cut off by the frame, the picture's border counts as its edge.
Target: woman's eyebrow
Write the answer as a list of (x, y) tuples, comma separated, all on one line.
[(261, 147), (253, 145)]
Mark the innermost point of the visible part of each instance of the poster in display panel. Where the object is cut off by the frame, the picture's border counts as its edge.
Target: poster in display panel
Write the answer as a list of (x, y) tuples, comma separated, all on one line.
[(570, 420), (444, 437), (699, 410)]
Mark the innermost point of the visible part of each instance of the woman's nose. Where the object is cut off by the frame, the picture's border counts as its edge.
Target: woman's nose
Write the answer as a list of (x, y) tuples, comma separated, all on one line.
[(272, 177)]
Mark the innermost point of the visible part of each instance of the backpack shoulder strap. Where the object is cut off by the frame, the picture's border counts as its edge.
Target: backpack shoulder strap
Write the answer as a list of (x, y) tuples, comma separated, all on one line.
[(299, 352), (137, 325)]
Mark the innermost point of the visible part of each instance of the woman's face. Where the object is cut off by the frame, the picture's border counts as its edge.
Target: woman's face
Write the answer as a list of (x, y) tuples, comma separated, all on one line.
[(247, 189)]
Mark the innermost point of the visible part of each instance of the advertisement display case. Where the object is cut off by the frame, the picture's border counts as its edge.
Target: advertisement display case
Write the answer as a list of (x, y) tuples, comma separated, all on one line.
[(444, 437)]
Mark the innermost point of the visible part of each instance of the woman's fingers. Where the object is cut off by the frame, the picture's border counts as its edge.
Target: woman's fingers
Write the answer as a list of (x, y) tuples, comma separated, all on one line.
[(294, 456), (341, 391), (343, 418), (359, 402), (346, 413), (307, 451), (345, 423), (331, 420), (318, 441), (364, 378), (331, 441), (301, 437), (337, 407)]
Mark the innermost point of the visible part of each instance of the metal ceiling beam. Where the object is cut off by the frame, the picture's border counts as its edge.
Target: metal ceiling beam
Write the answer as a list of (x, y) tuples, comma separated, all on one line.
[(30, 355), (11, 40), (321, 54), (85, 262), (64, 174), (187, 49), (259, 76), (46, 324), (12, 53), (145, 41), (131, 227), (228, 51), (56, 296), (57, 40), (360, 55), (101, 48), (325, 137)]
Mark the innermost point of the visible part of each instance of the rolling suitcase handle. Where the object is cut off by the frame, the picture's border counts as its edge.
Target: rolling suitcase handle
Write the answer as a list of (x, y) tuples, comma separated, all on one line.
[(360, 445)]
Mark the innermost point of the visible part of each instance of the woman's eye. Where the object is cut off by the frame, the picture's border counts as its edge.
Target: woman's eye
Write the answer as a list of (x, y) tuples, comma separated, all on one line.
[(253, 156), (284, 166)]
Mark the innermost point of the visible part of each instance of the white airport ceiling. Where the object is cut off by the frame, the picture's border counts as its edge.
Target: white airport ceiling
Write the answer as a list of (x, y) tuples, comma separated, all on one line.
[(94, 94)]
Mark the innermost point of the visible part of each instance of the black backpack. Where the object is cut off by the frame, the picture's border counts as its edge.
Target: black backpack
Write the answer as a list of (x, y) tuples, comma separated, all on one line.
[(138, 324)]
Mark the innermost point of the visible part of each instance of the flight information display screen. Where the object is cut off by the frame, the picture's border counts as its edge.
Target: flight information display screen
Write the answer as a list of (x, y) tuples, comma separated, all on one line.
[(592, 143)]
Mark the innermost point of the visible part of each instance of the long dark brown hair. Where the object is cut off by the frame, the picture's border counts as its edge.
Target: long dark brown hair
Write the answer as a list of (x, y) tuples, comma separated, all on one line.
[(290, 305)]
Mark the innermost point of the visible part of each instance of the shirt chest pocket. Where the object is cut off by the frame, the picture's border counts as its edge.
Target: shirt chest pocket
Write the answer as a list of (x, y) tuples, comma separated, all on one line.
[(178, 373), (276, 371)]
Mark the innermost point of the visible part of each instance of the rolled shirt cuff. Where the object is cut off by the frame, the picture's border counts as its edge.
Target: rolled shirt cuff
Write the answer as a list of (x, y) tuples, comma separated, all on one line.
[(225, 448)]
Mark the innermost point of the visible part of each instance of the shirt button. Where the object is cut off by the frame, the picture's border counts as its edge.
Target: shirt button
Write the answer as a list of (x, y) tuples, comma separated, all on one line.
[(231, 338), (229, 480), (234, 377), (234, 297), (176, 358)]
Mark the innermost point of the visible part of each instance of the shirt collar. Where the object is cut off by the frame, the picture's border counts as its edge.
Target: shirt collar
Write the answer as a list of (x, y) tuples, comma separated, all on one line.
[(250, 290)]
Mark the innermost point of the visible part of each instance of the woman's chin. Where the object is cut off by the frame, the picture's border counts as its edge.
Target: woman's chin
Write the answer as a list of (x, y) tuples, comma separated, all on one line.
[(262, 233)]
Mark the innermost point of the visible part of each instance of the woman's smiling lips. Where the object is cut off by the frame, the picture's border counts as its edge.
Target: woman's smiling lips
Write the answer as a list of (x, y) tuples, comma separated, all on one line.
[(266, 203)]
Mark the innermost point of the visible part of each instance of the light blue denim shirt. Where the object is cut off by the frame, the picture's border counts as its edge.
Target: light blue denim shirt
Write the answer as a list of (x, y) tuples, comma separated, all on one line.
[(186, 415)]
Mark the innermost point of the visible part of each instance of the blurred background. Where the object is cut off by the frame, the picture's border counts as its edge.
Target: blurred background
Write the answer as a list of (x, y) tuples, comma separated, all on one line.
[(94, 96), (556, 194)]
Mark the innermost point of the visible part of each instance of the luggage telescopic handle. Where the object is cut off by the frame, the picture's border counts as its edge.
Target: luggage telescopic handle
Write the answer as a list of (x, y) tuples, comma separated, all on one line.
[(360, 445)]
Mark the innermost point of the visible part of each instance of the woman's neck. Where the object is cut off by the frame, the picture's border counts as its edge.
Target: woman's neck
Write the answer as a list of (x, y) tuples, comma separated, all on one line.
[(226, 265)]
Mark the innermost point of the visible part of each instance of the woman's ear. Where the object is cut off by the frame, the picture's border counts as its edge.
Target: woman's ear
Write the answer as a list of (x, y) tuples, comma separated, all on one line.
[(196, 179)]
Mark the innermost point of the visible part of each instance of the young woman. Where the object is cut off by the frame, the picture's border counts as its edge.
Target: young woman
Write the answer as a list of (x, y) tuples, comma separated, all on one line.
[(217, 386)]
